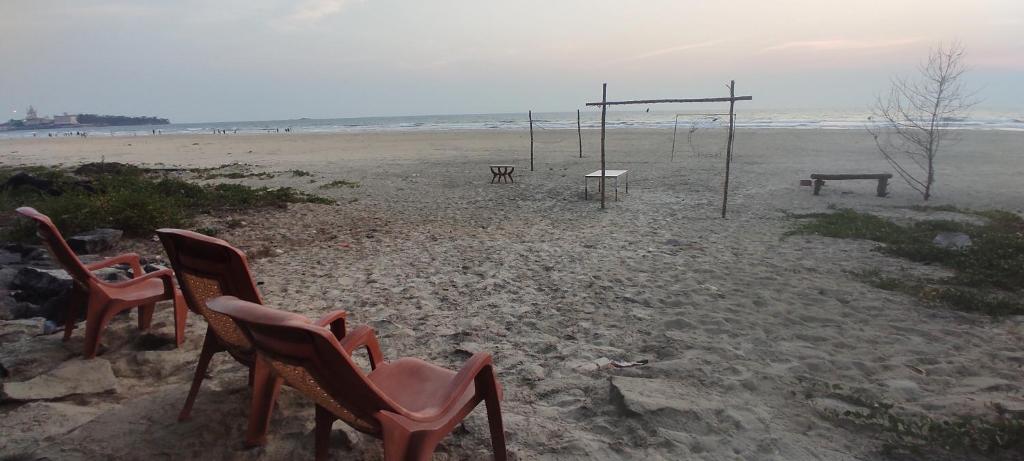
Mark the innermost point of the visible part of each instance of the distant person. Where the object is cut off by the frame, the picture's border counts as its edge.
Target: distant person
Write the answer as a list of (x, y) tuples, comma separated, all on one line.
[(154, 131)]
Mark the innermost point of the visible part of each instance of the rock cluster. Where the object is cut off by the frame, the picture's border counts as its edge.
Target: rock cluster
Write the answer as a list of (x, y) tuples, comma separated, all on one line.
[(32, 285)]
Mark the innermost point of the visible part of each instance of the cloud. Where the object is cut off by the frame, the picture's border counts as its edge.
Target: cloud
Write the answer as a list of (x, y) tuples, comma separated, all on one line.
[(842, 44), (312, 11), (670, 50)]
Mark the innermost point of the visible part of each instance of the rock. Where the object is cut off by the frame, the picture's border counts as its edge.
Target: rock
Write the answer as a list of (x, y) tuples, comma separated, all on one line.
[(40, 285), (55, 309), (19, 310), (27, 252), (152, 267), (26, 425), (952, 240), (7, 276), (8, 305), (8, 257), (73, 377), (647, 395), (95, 241), (113, 274), (42, 293), (674, 242), (50, 327), (16, 330)]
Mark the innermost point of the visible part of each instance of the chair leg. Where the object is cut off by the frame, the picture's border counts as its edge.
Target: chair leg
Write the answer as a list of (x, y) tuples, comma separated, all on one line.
[(265, 388), (180, 317), (79, 298), (402, 443), (96, 320), (146, 315), (322, 433), (210, 347), (487, 386)]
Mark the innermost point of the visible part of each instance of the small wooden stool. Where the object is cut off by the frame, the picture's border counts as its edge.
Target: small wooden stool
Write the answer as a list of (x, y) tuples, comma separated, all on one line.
[(502, 171)]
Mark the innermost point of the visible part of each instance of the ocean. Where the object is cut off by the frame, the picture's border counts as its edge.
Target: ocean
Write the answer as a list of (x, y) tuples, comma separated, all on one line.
[(590, 119)]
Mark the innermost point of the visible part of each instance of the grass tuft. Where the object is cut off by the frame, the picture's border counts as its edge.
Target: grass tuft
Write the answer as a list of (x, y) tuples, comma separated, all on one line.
[(132, 199), (339, 184), (921, 436)]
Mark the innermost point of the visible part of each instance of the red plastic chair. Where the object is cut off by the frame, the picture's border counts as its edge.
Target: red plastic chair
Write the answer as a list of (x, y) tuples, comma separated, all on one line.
[(207, 267), (101, 299), (409, 403)]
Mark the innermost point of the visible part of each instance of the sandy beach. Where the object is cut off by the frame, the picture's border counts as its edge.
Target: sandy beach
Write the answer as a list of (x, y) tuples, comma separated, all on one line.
[(741, 325)]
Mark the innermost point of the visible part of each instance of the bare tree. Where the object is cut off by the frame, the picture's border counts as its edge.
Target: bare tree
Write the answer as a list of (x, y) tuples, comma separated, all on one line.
[(911, 122)]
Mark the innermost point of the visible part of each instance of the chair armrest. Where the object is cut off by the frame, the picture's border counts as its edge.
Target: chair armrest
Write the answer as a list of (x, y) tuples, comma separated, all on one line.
[(335, 321), (469, 375), (166, 274), (363, 336), (130, 259)]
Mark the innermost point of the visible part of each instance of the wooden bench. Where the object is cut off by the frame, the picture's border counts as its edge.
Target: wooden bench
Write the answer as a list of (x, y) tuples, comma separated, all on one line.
[(882, 178)]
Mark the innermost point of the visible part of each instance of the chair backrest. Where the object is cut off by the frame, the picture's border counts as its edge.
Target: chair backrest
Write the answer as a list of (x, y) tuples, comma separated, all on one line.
[(206, 268), (60, 250), (310, 359)]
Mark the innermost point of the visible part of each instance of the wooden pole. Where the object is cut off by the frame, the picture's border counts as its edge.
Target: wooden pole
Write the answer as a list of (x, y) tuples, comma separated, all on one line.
[(579, 131), (604, 111), (674, 127), (728, 146), (530, 114)]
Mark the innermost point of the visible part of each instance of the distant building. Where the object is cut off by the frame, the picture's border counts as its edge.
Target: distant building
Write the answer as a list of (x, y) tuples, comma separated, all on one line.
[(32, 119), (65, 119)]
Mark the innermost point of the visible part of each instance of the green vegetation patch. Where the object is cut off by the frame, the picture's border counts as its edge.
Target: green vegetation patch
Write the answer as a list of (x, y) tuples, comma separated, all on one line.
[(989, 274), (129, 198), (920, 436)]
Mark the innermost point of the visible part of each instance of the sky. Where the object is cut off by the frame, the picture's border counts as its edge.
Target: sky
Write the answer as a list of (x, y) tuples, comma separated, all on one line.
[(233, 60)]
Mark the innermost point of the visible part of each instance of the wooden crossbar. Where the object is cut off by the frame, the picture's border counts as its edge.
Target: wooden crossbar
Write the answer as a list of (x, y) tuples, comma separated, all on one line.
[(661, 101), (841, 177)]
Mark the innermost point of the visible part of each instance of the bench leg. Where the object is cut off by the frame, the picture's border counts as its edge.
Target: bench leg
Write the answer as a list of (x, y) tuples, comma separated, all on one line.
[(817, 185), (883, 184)]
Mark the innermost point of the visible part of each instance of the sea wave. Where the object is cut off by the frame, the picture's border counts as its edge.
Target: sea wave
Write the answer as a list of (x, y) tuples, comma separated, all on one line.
[(759, 119)]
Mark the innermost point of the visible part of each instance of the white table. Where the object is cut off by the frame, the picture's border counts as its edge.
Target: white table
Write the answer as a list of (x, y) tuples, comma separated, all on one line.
[(608, 174)]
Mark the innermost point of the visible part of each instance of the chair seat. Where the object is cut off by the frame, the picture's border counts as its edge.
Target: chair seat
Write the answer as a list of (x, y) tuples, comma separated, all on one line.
[(143, 293), (416, 385)]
